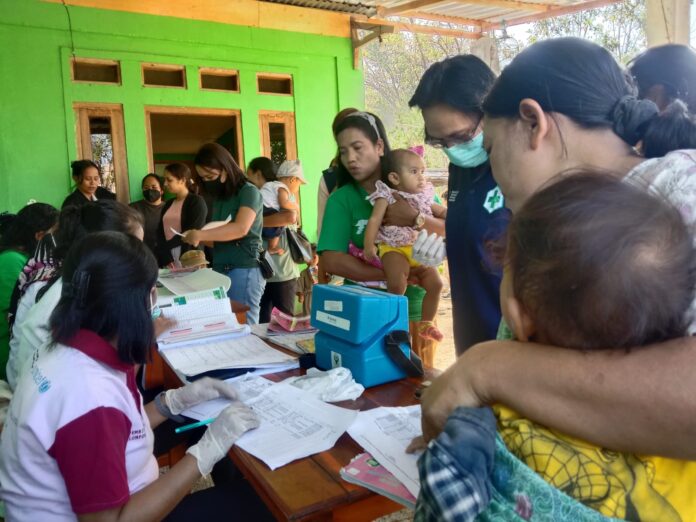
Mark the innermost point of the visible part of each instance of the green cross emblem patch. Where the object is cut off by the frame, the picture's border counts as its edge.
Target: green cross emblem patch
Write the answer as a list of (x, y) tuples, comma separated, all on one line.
[(494, 200)]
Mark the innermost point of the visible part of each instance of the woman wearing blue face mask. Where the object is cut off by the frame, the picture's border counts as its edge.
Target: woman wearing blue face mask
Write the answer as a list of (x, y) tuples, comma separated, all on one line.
[(450, 95)]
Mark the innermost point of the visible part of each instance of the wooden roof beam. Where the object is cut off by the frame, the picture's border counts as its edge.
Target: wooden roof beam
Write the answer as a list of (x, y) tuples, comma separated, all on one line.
[(363, 22), (456, 20), (556, 11), (401, 10)]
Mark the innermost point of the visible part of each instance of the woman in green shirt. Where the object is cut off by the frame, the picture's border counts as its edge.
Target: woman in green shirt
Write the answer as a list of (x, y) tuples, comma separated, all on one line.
[(363, 153), (237, 244), (19, 236)]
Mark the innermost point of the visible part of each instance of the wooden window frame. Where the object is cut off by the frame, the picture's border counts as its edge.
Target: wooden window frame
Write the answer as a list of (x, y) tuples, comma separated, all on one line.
[(216, 71), (163, 67), (288, 119), (114, 111), (157, 109), (95, 61), (276, 76)]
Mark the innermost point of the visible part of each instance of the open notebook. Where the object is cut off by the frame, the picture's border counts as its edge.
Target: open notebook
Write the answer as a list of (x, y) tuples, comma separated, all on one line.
[(208, 337), (199, 315)]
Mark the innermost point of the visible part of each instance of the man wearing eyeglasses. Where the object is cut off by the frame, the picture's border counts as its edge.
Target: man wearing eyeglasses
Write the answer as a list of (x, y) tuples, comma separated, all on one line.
[(450, 95)]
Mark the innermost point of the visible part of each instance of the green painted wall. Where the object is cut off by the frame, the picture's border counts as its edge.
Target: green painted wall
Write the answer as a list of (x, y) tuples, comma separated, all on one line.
[(37, 122)]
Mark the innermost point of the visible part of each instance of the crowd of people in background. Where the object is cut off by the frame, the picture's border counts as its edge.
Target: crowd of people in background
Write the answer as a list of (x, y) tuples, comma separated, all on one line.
[(569, 223)]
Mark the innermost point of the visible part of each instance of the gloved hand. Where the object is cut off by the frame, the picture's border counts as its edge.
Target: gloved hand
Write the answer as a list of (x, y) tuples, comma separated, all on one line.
[(232, 423), (202, 390), (429, 250)]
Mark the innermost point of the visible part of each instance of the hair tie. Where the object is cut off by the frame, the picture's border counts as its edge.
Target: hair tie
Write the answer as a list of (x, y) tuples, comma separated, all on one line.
[(78, 287), (631, 116), (370, 119)]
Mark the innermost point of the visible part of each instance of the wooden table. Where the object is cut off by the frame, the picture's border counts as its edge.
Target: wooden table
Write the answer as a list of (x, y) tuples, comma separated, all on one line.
[(311, 489)]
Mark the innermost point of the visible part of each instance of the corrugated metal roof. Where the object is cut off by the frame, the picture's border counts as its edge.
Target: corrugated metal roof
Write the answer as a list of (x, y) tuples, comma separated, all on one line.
[(362, 7), (485, 14)]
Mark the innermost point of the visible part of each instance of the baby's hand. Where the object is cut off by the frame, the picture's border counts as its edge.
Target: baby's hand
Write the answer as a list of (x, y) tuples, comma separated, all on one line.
[(370, 252)]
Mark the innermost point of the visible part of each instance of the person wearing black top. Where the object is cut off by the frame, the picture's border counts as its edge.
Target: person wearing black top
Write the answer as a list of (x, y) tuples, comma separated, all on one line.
[(151, 208), (187, 211), (87, 178)]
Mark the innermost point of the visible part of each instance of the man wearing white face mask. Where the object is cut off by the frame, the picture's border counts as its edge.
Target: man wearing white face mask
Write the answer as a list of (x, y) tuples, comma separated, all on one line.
[(450, 95)]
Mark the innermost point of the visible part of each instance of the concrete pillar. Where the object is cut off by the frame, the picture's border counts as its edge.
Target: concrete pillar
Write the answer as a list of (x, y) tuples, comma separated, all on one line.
[(667, 21), (486, 48)]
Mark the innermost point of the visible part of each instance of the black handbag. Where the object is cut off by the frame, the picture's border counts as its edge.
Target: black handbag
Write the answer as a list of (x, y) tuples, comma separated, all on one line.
[(299, 245), (266, 264)]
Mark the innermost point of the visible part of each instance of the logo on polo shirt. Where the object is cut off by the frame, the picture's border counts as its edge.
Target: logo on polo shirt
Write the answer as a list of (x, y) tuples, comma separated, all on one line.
[(453, 196), (360, 226), (41, 382), (494, 200), (137, 434)]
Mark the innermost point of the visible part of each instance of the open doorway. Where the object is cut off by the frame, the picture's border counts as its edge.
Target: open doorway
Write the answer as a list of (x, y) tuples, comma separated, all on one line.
[(176, 133)]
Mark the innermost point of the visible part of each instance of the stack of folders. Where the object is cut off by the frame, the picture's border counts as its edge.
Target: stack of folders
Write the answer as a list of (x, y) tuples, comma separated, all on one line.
[(365, 471), (298, 342), (207, 339)]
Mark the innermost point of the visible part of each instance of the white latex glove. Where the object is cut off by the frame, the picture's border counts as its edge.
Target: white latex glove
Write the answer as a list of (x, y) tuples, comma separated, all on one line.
[(232, 423), (202, 390), (429, 250)]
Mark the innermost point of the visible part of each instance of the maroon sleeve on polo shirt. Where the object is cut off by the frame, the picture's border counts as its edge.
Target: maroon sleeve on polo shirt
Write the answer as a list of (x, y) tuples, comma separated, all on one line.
[(91, 455)]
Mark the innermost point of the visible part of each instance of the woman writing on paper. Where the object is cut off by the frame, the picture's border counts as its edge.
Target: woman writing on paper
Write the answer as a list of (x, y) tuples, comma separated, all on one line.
[(236, 244), (78, 441)]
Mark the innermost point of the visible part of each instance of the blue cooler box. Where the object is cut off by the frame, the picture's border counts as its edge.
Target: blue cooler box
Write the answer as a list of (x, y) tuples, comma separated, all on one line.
[(354, 324)]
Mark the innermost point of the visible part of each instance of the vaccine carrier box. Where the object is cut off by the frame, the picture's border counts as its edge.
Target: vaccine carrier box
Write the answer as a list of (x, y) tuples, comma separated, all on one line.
[(364, 330)]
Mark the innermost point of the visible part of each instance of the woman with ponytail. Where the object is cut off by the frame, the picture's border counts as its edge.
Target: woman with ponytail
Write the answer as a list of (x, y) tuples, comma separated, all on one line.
[(39, 297), (566, 104)]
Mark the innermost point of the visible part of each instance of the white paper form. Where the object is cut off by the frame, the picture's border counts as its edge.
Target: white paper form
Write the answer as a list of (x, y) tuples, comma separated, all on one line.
[(248, 387), (293, 425), (239, 352), (181, 283), (385, 433)]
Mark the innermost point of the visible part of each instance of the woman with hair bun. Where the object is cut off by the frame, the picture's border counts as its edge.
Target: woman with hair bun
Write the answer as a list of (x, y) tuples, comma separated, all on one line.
[(566, 104), (88, 181)]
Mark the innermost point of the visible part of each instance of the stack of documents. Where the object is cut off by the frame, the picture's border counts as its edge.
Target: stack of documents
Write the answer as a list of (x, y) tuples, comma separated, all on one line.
[(293, 425), (302, 342), (206, 355), (386, 433)]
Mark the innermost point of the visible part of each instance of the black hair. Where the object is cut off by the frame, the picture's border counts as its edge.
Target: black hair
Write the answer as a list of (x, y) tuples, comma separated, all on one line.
[(578, 79), (264, 166), (215, 156), (672, 66), (460, 82), (361, 123), (180, 171), (94, 216), (152, 175), (674, 128), (395, 159), (107, 282), (80, 166), (598, 262), (18, 232)]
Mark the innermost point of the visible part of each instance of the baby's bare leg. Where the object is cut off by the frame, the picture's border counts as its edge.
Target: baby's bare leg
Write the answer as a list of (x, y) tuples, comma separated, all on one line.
[(396, 268)]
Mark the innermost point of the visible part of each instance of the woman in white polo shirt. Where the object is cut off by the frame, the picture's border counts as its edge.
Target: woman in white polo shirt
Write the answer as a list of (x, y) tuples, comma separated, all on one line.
[(77, 443)]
